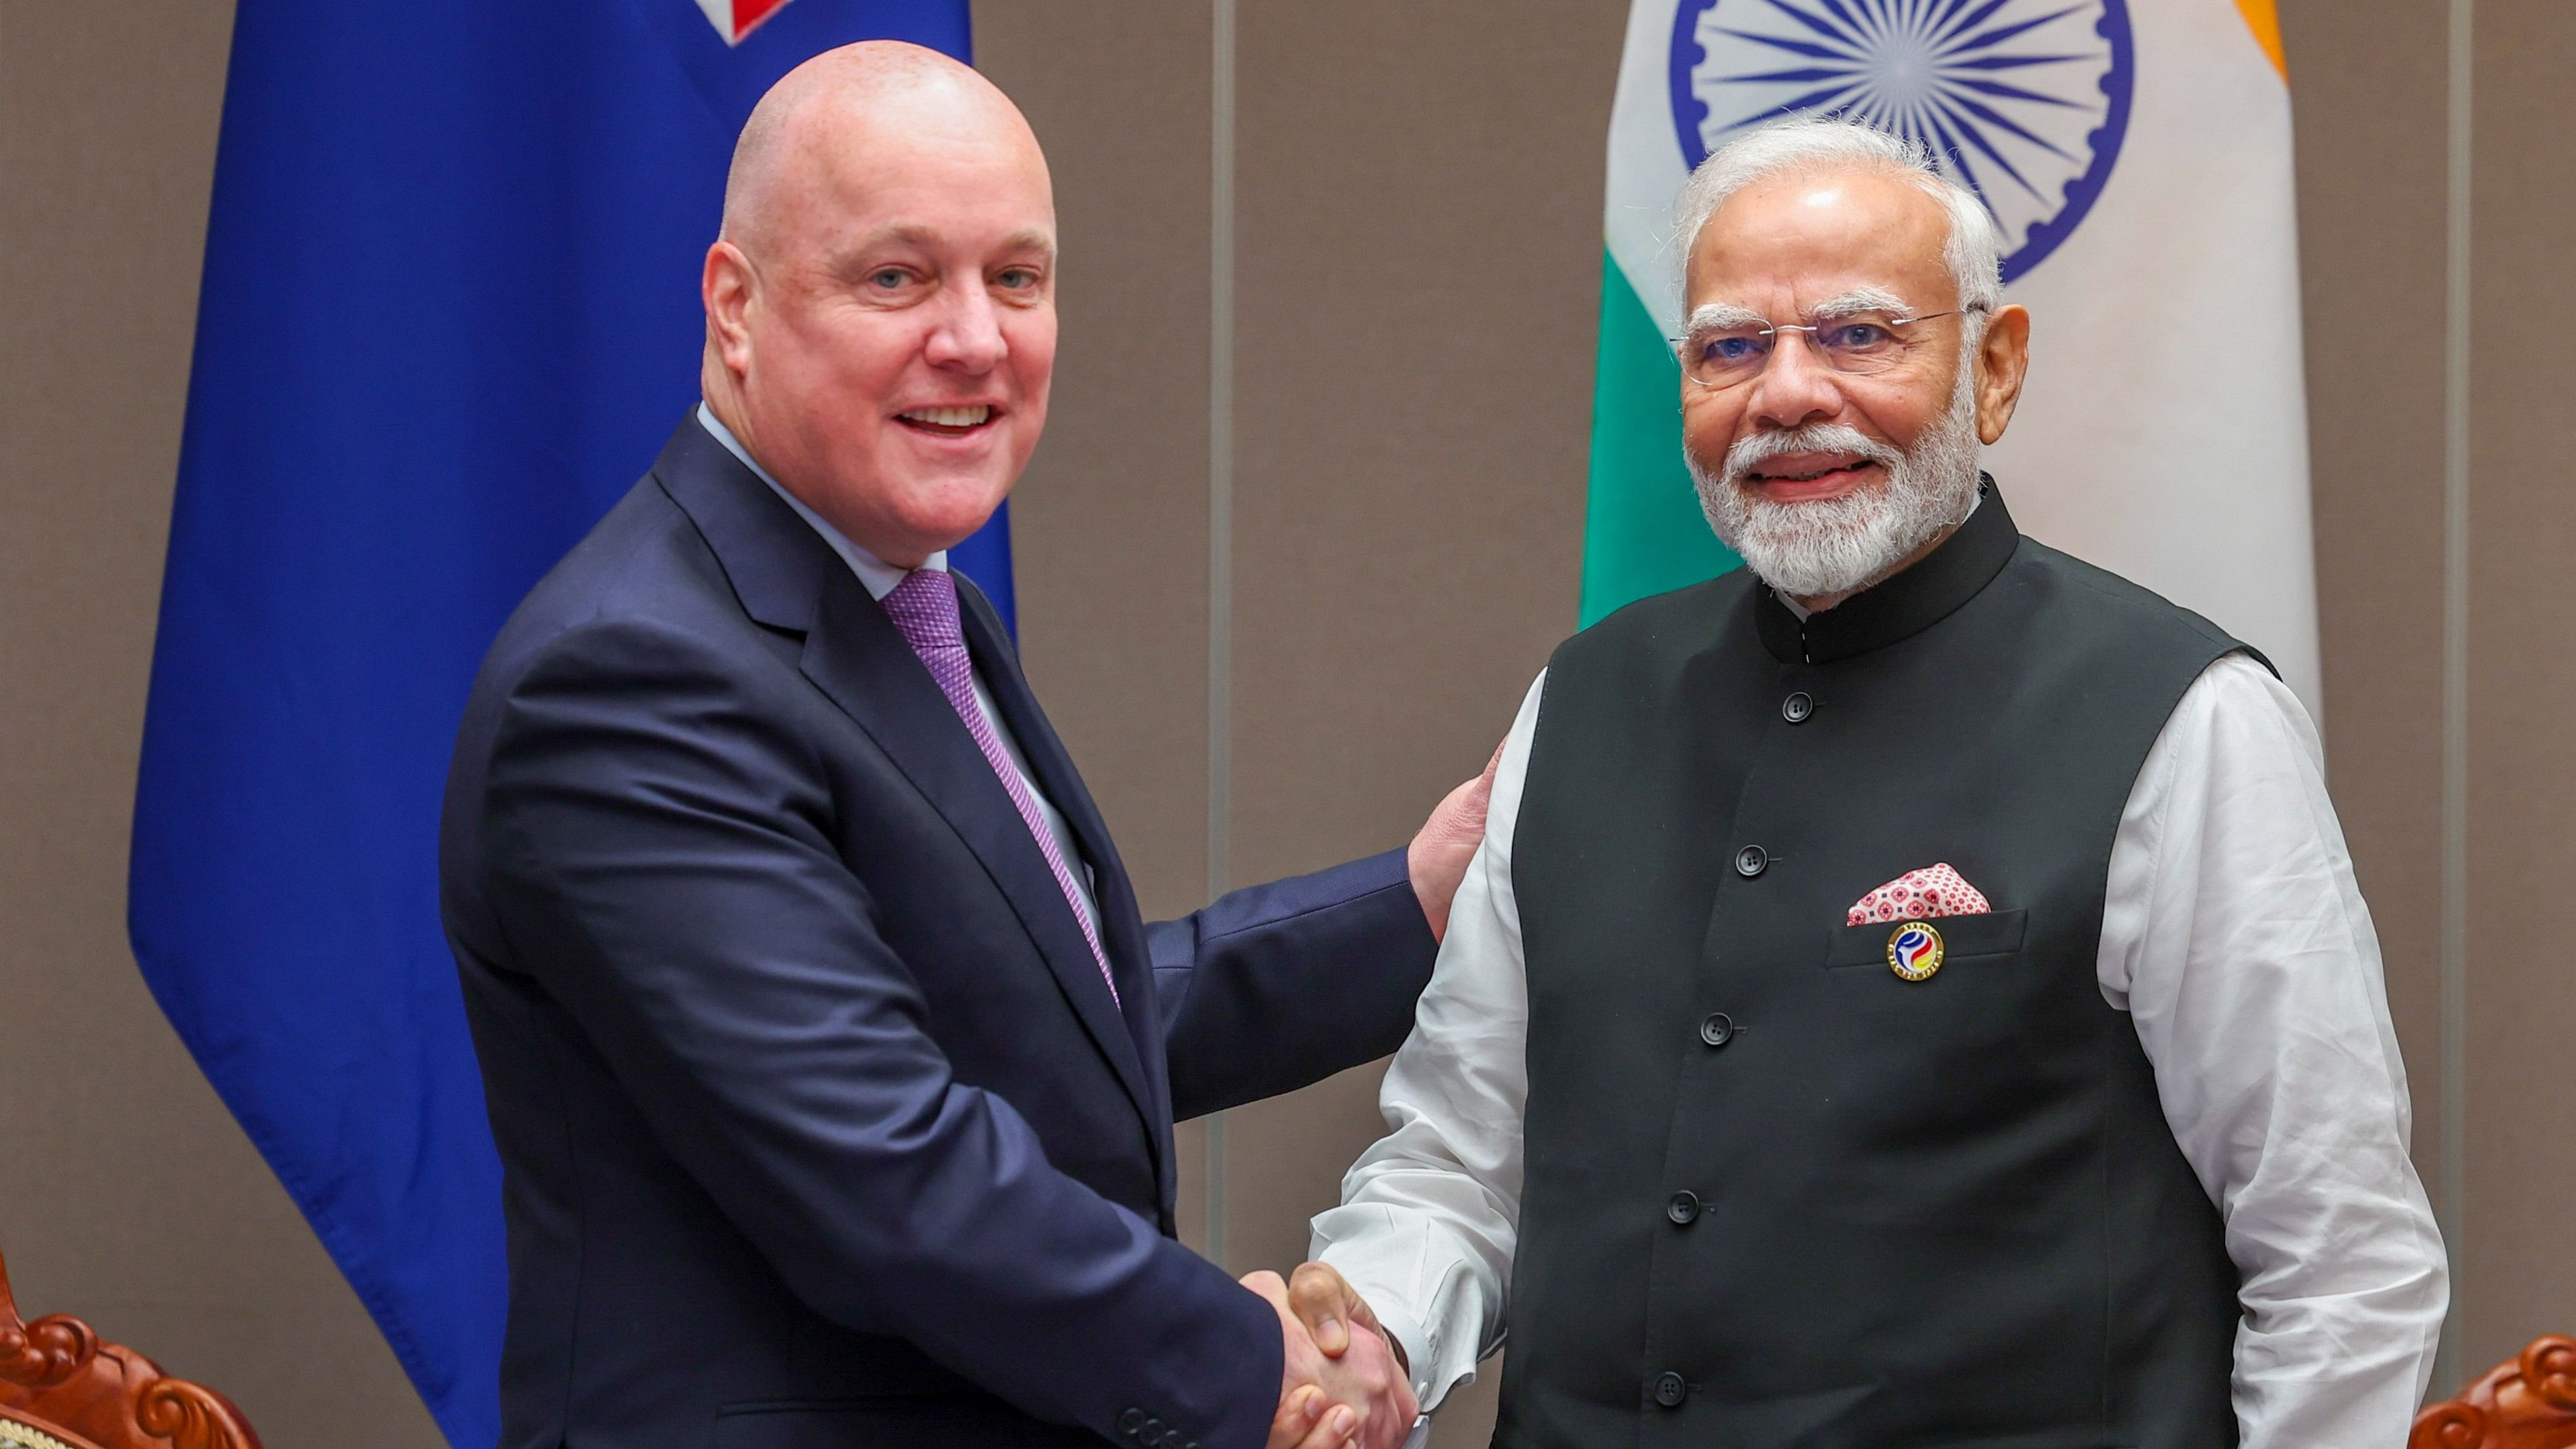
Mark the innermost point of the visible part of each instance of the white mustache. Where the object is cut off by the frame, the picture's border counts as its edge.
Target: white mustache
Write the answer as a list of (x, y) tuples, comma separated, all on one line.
[(1811, 438)]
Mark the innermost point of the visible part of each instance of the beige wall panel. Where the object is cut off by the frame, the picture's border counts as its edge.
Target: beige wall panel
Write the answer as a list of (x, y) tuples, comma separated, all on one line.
[(1420, 244), (1109, 527), (2372, 174), (2520, 1279), (1420, 251), (1420, 268), (127, 1194)]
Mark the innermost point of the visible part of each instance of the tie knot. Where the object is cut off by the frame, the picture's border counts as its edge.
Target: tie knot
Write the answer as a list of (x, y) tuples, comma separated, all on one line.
[(924, 608)]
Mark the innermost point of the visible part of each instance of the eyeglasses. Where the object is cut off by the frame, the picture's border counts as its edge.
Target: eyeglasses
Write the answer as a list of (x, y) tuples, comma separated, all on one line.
[(1855, 342)]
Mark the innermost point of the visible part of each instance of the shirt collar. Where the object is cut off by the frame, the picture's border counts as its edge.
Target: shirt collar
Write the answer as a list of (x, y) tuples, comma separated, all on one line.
[(879, 576), (1904, 604)]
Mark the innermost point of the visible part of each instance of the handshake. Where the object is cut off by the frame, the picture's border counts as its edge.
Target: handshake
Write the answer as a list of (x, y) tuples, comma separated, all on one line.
[(1346, 1382)]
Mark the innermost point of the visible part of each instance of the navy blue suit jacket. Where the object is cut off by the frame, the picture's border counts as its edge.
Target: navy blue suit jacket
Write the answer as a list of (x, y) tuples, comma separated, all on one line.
[(819, 1125)]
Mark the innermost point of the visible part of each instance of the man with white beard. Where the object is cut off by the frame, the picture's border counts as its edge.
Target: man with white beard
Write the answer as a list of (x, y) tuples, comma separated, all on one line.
[(1912, 991)]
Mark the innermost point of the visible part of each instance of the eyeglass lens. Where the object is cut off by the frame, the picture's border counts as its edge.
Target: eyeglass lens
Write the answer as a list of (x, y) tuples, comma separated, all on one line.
[(1861, 343)]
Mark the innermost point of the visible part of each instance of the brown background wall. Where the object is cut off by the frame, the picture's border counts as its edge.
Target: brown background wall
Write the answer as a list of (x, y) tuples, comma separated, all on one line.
[(2521, 1137), (126, 1193), (1417, 248)]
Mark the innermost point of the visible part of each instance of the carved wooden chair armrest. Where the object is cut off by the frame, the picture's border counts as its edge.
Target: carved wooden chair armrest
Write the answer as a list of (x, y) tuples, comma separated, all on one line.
[(64, 1387), (2528, 1402)]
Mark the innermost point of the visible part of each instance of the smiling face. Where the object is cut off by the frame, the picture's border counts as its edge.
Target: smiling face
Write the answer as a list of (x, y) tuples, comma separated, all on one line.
[(1826, 479), (1777, 249), (881, 312)]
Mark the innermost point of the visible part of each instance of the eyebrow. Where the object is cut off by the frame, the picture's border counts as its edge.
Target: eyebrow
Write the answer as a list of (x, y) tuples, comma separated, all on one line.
[(1860, 299), (1719, 316), (1026, 239), (1031, 239)]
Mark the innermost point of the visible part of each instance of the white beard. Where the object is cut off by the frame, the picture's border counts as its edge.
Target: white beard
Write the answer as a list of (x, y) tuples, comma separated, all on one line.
[(1840, 545)]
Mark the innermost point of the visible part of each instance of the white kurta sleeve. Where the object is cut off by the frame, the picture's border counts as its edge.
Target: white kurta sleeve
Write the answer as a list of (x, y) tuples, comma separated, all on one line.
[(2235, 936), (1429, 1215)]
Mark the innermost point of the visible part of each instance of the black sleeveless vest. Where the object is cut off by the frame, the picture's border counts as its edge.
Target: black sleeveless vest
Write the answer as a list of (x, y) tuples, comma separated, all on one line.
[(1778, 1196)]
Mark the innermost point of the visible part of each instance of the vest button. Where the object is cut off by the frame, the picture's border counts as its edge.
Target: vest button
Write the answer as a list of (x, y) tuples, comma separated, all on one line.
[(1718, 1029), (1797, 707), (1683, 1209), (1751, 861), (1670, 1390)]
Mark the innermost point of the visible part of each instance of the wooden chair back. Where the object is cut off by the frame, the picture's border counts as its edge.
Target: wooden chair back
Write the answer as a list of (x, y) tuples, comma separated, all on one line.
[(64, 1387), (2527, 1402)]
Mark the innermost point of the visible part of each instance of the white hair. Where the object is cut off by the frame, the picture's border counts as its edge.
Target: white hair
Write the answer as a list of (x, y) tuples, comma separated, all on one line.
[(1973, 251)]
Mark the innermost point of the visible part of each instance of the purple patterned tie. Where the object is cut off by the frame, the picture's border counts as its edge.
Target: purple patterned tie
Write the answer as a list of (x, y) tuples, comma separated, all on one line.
[(924, 607)]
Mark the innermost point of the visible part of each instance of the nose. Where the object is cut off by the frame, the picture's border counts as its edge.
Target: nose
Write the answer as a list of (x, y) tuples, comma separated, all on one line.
[(969, 335), (1796, 388)]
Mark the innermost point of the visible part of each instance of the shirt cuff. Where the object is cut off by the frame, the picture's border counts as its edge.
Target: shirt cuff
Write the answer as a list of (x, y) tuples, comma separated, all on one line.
[(1417, 1351), (1437, 1362)]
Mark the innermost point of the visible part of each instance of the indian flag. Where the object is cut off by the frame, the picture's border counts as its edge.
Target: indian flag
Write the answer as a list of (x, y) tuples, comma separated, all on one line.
[(2136, 154)]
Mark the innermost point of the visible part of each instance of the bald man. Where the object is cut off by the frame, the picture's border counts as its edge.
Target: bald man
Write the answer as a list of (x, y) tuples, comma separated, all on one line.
[(832, 1069)]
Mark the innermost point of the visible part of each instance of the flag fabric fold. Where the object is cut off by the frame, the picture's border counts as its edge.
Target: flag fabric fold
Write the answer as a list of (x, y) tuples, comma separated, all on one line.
[(449, 313)]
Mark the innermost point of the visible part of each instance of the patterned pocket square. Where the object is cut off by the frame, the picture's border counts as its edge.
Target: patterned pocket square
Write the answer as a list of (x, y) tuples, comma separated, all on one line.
[(1919, 895)]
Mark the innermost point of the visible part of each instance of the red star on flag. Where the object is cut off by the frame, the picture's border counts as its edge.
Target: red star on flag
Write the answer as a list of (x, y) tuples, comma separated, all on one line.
[(734, 19)]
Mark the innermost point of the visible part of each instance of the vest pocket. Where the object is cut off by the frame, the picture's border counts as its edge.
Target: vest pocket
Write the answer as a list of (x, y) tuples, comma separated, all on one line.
[(1992, 933)]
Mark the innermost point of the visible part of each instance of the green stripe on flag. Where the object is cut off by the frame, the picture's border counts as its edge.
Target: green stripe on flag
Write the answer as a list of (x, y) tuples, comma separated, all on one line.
[(1643, 532)]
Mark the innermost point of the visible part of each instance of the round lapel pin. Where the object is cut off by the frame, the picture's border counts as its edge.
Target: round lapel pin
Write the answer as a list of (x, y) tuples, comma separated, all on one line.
[(1914, 950)]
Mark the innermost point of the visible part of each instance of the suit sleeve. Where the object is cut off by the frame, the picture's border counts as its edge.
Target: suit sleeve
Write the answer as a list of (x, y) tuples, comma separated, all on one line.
[(1281, 985), (659, 847)]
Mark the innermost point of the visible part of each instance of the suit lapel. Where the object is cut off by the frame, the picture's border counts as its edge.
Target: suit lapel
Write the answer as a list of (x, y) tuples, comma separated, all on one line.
[(775, 563), (787, 577), (860, 661), (1121, 928)]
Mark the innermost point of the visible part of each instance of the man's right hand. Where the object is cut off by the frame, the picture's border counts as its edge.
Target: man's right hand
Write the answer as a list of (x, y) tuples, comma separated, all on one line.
[(1359, 1396), (1328, 1305)]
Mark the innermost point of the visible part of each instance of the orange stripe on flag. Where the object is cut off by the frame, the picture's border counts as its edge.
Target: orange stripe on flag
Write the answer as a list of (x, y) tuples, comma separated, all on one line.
[(2264, 18)]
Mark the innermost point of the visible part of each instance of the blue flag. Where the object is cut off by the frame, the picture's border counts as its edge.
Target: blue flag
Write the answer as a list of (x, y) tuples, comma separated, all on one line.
[(450, 313)]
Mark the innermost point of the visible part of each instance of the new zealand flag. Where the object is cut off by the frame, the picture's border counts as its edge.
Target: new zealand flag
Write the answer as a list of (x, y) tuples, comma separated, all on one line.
[(450, 312)]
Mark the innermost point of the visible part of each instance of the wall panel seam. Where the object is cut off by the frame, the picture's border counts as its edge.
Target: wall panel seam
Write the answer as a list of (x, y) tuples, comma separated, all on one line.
[(2451, 1188), (1220, 702)]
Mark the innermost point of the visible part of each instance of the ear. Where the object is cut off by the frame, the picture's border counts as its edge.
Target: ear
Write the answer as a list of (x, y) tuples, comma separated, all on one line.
[(2002, 360), (727, 288)]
